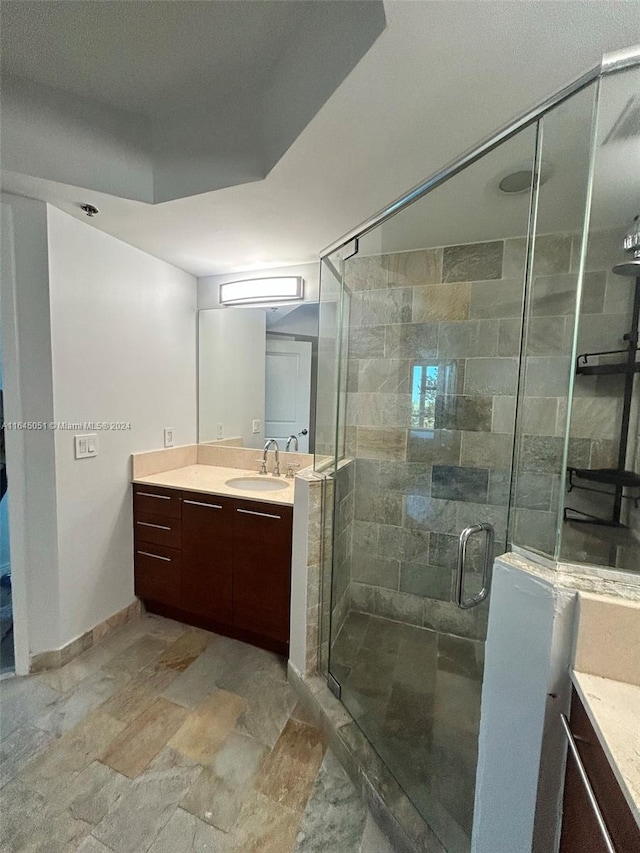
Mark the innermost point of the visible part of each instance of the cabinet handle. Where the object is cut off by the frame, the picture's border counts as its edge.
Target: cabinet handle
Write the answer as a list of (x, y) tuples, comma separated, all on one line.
[(608, 843), (202, 503), (263, 514), (151, 495), (148, 524), (155, 556)]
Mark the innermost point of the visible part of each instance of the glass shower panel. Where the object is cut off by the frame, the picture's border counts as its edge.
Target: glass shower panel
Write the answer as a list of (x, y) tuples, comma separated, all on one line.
[(432, 375), (602, 516), (330, 437), (546, 367), (328, 361)]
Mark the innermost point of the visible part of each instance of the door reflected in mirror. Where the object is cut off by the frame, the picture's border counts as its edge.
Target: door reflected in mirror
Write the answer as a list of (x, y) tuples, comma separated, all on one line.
[(257, 375)]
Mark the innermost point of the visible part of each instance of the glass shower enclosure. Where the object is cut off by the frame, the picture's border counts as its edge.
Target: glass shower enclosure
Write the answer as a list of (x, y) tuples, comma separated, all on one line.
[(449, 331)]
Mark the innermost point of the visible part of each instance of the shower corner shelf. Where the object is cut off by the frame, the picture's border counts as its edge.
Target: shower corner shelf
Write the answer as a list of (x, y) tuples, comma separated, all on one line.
[(605, 476), (604, 369), (618, 477), (608, 476)]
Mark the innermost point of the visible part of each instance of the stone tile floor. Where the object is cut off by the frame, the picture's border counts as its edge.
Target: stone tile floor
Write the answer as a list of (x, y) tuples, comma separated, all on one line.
[(415, 694), (168, 739)]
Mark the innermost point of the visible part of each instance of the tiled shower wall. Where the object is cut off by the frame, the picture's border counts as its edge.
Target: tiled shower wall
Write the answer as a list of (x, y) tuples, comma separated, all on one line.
[(460, 307), (596, 412), (451, 309), (597, 407)]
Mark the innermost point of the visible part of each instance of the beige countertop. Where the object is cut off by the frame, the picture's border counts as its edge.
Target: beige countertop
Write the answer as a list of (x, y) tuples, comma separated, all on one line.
[(211, 480), (613, 708)]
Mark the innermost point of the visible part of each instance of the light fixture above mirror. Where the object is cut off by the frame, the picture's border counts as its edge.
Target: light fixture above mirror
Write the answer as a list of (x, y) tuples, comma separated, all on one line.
[(262, 291)]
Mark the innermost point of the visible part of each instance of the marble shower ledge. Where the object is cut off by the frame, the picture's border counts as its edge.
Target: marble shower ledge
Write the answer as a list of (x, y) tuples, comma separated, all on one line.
[(576, 576), (613, 708)]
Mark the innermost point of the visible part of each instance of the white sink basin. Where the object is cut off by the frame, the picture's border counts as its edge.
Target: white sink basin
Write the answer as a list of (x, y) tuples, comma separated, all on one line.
[(257, 484)]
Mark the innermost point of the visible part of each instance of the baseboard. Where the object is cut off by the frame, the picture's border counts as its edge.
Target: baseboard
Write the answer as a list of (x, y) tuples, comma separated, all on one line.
[(56, 658)]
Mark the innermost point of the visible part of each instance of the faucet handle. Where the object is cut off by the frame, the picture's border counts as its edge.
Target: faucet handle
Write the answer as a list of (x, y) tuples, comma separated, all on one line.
[(290, 467), (263, 465)]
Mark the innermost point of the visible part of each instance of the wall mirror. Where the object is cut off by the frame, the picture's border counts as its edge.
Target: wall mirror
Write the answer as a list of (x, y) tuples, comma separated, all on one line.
[(257, 375)]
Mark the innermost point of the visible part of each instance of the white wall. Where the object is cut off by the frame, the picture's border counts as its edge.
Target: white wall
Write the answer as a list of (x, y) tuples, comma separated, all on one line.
[(123, 329), (525, 689), (208, 285), (231, 368), (5, 558), (27, 367)]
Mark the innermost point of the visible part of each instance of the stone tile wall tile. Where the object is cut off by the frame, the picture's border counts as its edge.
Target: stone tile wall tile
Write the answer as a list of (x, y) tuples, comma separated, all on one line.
[(374, 307), (413, 269), (435, 302), (459, 412), (471, 339), (381, 443), (472, 262), (496, 299), (411, 340), (383, 375), (460, 484), (433, 446), (504, 413), (486, 450), (491, 376), (408, 478)]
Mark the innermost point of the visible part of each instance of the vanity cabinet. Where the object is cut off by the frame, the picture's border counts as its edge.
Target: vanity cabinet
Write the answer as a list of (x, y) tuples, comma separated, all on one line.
[(262, 569), (219, 563), (157, 534), (207, 548), (580, 828)]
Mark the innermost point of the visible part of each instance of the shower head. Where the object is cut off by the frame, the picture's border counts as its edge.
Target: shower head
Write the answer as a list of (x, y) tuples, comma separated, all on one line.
[(631, 243), (631, 267)]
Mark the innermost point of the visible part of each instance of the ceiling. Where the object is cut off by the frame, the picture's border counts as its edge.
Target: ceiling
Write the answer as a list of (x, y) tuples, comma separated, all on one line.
[(153, 101), (146, 57), (423, 92)]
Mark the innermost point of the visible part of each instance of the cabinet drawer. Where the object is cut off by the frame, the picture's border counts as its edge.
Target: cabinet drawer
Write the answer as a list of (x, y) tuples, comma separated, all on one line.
[(157, 573), (157, 530), (154, 500)]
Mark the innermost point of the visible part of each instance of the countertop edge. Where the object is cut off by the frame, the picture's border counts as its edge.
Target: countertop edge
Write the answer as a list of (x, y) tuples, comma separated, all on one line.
[(258, 497), (578, 678)]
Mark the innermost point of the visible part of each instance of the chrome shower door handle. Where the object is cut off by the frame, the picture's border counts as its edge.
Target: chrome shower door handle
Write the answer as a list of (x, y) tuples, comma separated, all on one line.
[(467, 533)]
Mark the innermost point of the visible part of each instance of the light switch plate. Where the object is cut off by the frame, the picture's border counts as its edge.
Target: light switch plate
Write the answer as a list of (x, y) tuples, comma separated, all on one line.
[(257, 426), (85, 446), (168, 436)]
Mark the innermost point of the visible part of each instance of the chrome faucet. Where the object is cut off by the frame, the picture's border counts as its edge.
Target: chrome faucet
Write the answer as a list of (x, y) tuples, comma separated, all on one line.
[(276, 467), (290, 441)]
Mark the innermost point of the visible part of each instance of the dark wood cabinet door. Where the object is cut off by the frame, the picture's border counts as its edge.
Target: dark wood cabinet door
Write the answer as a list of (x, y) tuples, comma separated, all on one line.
[(157, 573), (207, 538), (580, 830), (262, 569)]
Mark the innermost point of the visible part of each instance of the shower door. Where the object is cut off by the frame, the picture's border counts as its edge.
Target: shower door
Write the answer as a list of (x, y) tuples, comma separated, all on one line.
[(430, 363)]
